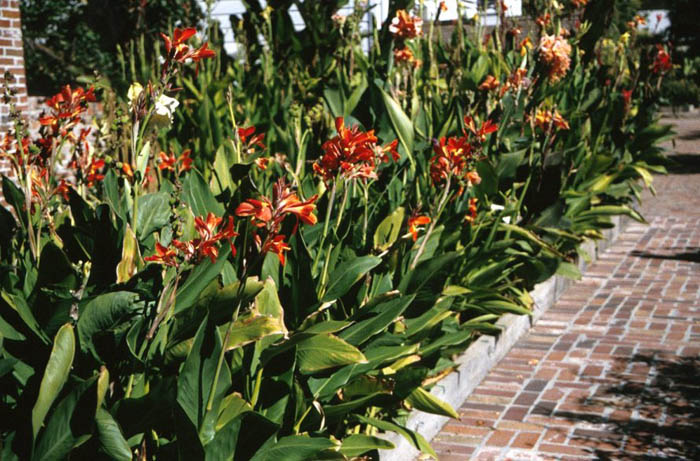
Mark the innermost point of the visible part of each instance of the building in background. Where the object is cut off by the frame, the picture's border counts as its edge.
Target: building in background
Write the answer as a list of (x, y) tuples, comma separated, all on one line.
[(221, 11)]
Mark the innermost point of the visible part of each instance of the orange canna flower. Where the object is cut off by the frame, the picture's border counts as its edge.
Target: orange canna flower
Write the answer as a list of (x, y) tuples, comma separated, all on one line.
[(490, 83), (250, 140), (406, 26), (259, 210), (276, 245), (414, 224), (163, 255), (546, 119), (555, 52), (93, 174), (352, 153), (471, 216), (167, 162)]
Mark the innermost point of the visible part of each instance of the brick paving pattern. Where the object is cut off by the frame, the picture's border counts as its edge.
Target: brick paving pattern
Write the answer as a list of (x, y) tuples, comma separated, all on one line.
[(612, 371)]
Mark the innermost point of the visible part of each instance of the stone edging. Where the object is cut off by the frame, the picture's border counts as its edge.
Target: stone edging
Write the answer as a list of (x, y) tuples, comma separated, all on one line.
[(484, 353)]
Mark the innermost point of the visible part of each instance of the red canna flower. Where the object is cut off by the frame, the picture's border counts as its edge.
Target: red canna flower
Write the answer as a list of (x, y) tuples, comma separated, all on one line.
[(177, 50), (414, 222), (250, 140), (62, 189), (276, 245), (163, 255), (211, 231), (167, 162), (662, 62), (351, 153), (486, 128), (269, 215), (304, 211), (93, 173), (406, 26), (66, 107), (259, 210), (185, 161)]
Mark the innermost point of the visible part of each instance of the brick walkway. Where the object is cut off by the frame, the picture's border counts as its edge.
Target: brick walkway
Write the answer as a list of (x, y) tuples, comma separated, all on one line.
[(612, 371)]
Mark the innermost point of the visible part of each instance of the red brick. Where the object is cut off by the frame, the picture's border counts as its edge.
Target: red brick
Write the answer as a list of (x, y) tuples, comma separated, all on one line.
[(500, 438), (526, 440)]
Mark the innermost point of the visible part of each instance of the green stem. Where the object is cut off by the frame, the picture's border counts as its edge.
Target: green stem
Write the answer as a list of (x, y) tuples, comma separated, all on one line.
[(433, 222)]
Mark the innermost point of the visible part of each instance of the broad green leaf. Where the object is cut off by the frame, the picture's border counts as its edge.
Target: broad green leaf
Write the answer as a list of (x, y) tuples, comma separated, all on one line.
[(384, 315), (19, 305), (359, 444), (103, 313), (415, 438), (194, 385), (321, 352), (388, 230), (196, 193), (232, 406), (221, 179), (153, 213), (423, 400), (400, 121), (569, 270), (199, 279), (55, 375), (112, 441), (347, 274), (252, 327), (59, 437), (295, 448)]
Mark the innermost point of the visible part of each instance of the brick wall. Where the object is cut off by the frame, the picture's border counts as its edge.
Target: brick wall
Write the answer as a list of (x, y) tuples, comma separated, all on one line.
[(12, 60)]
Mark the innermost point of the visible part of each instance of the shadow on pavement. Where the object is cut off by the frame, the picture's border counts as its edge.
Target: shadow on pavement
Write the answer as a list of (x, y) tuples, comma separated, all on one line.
[(692, 256), (683, 163), (654, 419)]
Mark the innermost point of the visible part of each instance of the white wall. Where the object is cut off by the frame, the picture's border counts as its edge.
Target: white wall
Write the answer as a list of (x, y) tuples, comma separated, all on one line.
[(222, 9), (657, 21)]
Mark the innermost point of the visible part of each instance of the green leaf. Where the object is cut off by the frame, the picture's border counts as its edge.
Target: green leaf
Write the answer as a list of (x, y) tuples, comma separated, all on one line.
[(415, 438), (359, 444), (321, 352), (295, 448), (55, 375), (195, 381), (400, 121), (388, 230), (232, 406), (568, 270), (347, 274), (423, 400), (112, 441), (252, 327), (385, 314), (199, 279), (196, 193), (59, 436), (142, 159), (153, 213), (104, 313), (19, 305)]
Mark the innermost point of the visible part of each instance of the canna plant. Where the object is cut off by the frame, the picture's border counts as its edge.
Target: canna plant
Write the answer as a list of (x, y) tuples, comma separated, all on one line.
[(266, 259)]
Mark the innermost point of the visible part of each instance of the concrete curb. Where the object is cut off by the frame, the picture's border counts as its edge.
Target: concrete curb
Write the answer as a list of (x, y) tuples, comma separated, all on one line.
[(484, 353)]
